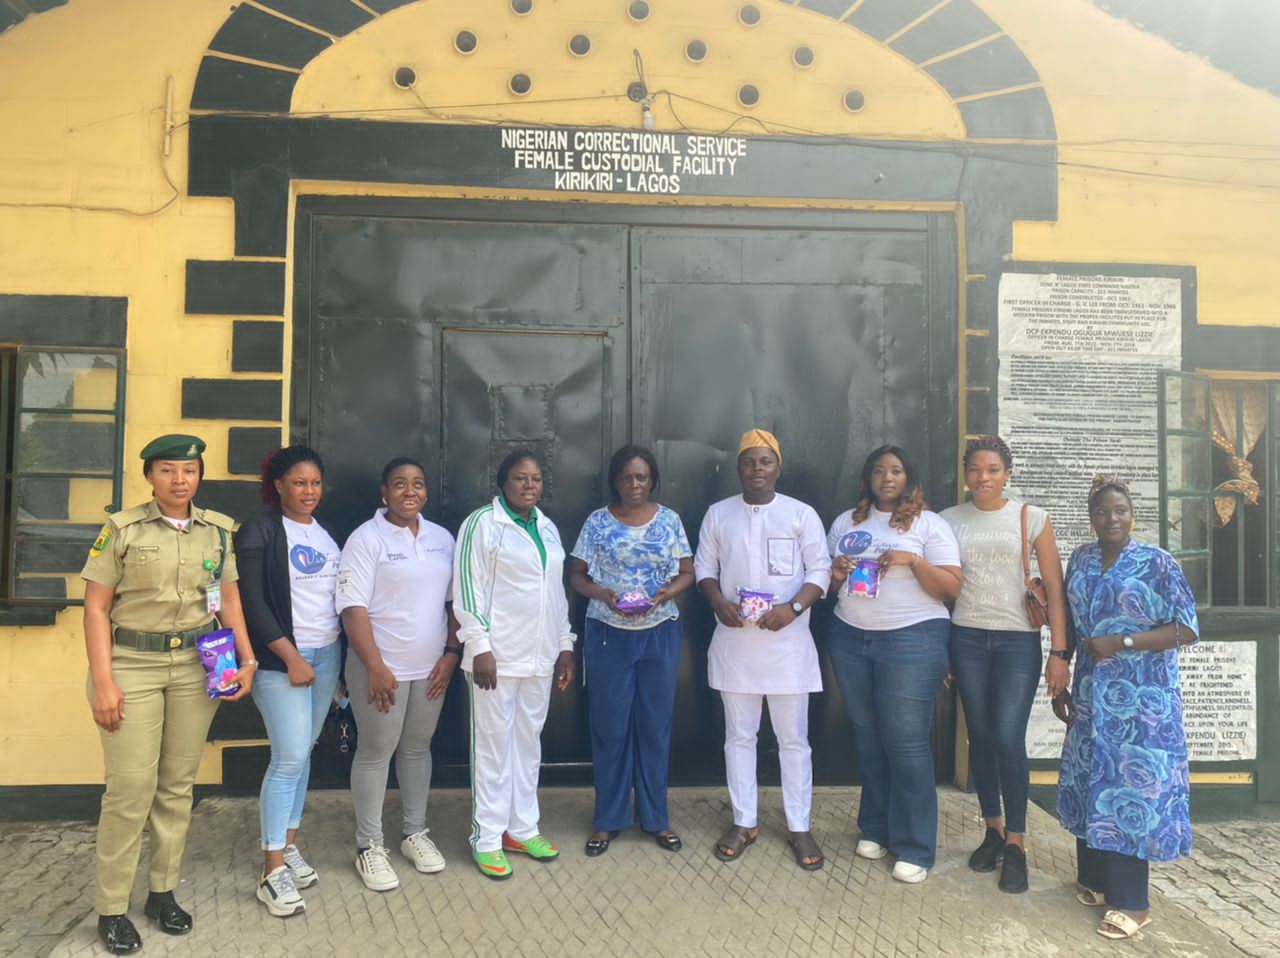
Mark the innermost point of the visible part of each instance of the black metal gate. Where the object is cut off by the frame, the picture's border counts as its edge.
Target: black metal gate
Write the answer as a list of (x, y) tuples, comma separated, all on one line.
[(455, 331)]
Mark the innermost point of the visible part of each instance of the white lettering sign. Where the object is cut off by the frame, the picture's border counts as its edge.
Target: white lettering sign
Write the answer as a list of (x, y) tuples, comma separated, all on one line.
[(622, 161)]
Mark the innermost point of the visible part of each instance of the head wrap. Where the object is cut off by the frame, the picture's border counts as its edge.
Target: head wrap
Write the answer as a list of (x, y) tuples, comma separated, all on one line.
[(1109, 482), (755, 438)]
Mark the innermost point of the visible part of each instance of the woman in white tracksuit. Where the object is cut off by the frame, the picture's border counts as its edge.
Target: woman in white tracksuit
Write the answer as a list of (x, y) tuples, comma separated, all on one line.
[(513, 613)]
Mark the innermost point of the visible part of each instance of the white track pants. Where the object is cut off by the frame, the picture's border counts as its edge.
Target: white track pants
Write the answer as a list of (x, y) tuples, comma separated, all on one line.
[(506, 752), (789, 716)]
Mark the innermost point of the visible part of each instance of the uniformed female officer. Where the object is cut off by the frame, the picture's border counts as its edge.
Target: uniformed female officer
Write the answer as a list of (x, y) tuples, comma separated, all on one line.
[(155, 579)]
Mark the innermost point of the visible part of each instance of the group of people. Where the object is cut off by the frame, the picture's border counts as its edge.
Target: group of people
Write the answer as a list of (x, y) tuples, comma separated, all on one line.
[(919, 598)]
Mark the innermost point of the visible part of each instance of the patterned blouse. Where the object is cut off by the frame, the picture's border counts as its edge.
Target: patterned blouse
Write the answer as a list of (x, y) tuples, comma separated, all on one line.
[(632, 559), (1123, 784)]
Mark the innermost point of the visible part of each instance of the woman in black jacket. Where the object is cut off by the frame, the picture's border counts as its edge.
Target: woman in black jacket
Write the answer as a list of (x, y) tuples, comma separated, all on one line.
[(289, 572)]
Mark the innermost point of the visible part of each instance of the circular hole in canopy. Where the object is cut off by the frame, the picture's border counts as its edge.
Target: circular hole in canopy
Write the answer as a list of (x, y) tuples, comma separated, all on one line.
[(404, 77), (748, 95), (802, 56), (465, 42), (696, 50), (854, 101), (521, 6), (749, 14), (520, 84), (638, 10), (580, 45)]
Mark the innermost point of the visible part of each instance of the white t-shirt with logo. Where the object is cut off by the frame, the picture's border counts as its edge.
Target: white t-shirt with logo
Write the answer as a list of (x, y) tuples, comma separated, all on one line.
[(313, 578), (404, 581), (901, 601)]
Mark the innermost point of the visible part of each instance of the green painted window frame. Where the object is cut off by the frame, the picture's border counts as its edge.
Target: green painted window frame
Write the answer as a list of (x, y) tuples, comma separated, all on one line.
[(1186, 422), (14, 405)]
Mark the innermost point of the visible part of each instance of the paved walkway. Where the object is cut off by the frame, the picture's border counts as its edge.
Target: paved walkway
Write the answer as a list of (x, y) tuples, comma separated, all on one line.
[(640, 900)]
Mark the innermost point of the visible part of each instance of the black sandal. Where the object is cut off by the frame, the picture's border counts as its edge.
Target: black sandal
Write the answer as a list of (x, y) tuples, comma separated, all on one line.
[(668, 841), (733, 843), (598, 846), (808, 854)]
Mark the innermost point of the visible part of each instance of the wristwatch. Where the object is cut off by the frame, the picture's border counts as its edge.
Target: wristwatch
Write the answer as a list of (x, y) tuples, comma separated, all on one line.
[(1127, 641), (796, 607), (1063, 654), (453, 650)]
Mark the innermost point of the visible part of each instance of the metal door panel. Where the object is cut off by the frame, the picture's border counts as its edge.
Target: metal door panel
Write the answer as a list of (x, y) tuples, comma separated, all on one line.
[(471, 273), (825, 337)]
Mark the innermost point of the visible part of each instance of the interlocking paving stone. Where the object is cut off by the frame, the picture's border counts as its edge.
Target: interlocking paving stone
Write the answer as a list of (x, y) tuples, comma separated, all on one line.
[(638, 900)]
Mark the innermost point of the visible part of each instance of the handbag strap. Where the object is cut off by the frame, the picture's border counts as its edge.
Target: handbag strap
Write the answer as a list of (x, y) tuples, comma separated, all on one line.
[(1026, 559)]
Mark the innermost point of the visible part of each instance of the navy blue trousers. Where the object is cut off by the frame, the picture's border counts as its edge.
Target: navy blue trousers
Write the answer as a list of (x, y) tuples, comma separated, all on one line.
[(1122, 879), (631, 693)]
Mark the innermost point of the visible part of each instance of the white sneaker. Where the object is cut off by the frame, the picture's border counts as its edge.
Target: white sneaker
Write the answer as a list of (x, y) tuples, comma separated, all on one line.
[(422, 851), (374, 866), (869, 849), (277, 891), (909, 873), (304, 876)]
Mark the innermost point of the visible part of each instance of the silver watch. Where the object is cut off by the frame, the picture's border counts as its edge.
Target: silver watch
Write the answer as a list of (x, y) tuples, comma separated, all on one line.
[(796, 607), (1127, 641)]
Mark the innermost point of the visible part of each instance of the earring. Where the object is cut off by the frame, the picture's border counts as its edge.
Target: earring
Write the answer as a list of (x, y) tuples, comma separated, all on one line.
[(384, 500)]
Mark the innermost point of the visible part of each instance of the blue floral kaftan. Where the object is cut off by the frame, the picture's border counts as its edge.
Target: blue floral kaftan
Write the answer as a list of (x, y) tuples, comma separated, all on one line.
[(1123, 784)]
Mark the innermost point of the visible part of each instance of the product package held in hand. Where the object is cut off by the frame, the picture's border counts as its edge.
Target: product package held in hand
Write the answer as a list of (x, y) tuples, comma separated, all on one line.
[(864, 579), (752, 604), (218, 656), (633, 603)]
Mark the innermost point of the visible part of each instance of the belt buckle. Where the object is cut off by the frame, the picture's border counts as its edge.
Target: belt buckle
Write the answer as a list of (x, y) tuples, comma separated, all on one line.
[(175, 641)]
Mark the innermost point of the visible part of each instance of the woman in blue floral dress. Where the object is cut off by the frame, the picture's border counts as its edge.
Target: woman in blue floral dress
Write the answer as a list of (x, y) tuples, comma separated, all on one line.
[(1123, 787), (631, 561)]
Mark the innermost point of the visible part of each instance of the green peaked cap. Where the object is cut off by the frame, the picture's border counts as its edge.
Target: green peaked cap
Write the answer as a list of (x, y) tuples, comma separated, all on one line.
[(173, 446)]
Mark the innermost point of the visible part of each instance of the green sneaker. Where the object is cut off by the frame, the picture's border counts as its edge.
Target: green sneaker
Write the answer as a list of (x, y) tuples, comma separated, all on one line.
[(493, 864), (537, 847)]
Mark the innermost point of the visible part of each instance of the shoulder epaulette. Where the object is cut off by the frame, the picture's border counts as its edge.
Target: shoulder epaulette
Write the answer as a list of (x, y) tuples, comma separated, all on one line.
[(221, 520), (129, 516)]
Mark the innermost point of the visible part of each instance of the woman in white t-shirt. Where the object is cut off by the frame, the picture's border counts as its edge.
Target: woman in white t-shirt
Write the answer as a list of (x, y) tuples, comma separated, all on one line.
[(889, 650), (289, 570), (393, 594), (995, 651)]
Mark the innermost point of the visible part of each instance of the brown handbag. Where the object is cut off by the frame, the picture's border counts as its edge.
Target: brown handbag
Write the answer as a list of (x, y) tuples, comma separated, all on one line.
[(1035, 598)]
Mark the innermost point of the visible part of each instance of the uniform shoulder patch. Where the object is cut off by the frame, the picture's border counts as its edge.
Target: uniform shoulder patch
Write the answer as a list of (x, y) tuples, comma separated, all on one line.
[(221, 520), (129, 517), (100, 543)]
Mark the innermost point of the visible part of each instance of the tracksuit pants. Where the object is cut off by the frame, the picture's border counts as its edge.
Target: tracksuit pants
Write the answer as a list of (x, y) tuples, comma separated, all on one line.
[(506, 753)]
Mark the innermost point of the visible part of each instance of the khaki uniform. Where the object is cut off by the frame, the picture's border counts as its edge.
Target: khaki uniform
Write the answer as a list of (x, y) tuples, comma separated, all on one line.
[(159, 576)]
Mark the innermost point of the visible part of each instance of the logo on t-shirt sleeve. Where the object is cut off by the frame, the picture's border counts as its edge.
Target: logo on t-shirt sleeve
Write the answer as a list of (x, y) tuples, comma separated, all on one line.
[(854, 543), (307, 560)]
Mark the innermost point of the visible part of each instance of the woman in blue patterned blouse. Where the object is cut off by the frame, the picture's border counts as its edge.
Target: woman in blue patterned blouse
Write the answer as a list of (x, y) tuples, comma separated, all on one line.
[(631, 561), (1123, 787)]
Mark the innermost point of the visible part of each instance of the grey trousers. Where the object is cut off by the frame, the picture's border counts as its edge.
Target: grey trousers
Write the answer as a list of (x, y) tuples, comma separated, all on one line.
[(406, 732)]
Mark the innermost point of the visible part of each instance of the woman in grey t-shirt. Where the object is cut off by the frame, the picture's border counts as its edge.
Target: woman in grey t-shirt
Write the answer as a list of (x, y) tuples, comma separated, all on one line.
[(995, 651)]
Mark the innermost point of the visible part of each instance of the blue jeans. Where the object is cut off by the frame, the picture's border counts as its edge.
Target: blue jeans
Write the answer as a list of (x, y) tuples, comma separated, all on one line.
[(293, 717), (997, 674), (631, 694), (889, 680)]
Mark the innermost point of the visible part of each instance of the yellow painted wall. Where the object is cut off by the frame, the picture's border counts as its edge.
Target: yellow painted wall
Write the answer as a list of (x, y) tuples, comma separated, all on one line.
[(1165, 160)]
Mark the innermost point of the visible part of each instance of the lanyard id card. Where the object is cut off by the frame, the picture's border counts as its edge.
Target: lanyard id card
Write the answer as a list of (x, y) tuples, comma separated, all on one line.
[(213, 591)]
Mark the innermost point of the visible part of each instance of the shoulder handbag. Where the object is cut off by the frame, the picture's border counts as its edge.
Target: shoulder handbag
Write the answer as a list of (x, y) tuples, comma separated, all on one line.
[(1035, 598)]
